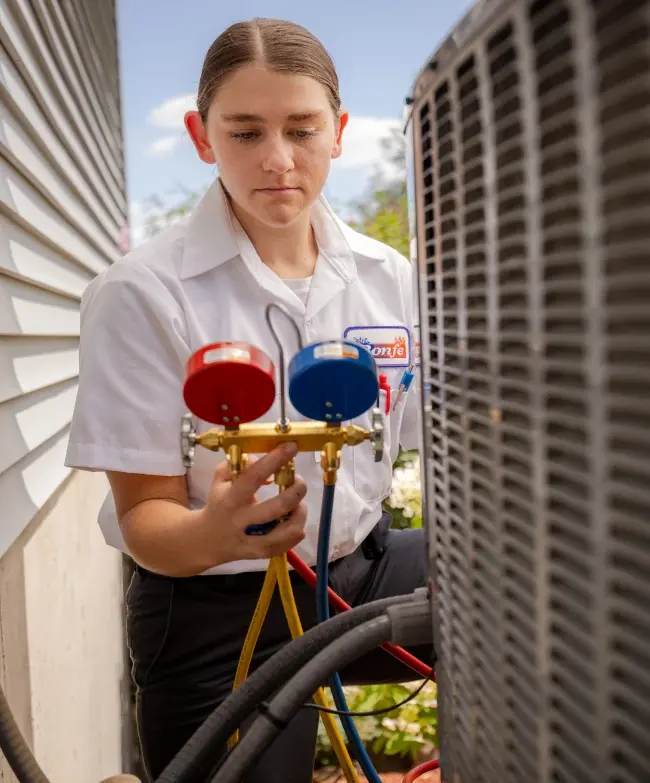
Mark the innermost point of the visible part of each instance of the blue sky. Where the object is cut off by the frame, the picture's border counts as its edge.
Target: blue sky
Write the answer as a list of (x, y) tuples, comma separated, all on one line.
[(378, 48)]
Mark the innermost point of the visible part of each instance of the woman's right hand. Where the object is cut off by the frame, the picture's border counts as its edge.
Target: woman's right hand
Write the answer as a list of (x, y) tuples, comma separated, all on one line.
[(232, 507), (165, 536)]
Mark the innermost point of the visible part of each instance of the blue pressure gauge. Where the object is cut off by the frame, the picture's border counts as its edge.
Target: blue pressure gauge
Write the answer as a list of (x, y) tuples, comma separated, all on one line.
[(333, 381)]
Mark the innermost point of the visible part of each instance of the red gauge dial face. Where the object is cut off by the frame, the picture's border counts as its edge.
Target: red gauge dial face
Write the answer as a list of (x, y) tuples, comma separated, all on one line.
[(229, 383)]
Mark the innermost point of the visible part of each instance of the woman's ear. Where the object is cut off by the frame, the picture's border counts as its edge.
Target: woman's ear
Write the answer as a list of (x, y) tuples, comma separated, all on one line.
[(196, 129), (337, 149)]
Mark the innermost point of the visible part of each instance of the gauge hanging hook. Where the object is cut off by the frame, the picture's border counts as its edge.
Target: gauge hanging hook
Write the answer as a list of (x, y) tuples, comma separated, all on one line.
[(284, 422)]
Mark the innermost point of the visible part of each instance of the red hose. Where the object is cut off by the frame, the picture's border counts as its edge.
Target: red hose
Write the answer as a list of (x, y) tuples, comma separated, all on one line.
[(303, 570), (416, 773)]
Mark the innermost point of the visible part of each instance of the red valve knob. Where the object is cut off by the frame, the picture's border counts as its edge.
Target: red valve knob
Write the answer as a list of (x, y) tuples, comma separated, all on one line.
[(385, 387), (229, 383)]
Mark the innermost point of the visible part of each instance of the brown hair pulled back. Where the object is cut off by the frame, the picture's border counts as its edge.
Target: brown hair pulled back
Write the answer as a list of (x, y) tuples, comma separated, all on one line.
[(280, 46)]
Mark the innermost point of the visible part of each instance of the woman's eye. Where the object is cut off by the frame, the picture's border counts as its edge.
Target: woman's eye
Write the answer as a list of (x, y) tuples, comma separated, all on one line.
[(247, 136), (305, 134), (243, 136)]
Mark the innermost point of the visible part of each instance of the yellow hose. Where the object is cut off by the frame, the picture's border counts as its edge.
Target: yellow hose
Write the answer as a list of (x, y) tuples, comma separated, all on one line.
[(252, 635), (278, 573), (281, 569)]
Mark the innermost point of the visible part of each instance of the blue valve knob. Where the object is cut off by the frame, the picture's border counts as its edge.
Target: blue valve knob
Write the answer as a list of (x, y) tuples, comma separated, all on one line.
[(261, 529)]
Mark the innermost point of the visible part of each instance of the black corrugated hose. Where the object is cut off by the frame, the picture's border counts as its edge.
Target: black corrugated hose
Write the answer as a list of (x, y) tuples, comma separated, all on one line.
[(322, 650), (15, 749), (276, 716), (205, 746), (405, 625)]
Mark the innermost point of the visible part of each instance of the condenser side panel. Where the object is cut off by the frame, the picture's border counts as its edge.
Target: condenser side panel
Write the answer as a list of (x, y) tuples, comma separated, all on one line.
[(533, 205)]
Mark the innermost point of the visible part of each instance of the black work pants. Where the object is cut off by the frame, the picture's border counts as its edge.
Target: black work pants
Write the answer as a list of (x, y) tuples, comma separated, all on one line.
[(185, 636)]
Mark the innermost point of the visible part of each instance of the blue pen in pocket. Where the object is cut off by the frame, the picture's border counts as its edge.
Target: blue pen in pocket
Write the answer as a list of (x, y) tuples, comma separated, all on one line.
[(404, 384)]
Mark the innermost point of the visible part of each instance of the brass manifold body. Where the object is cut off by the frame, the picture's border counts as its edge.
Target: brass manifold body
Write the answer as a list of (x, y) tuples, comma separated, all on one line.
[(263, 437)]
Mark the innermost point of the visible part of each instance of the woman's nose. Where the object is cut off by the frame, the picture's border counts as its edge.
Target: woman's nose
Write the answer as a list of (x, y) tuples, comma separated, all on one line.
[(278, 157)]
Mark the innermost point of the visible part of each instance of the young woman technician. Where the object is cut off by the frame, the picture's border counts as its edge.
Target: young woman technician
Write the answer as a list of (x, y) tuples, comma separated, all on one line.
[(269, 117)]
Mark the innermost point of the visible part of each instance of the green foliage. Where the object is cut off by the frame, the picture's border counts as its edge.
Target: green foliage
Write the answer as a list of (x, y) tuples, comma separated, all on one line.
[(410, 732), (382, 213), (388, 221), (161, 212)]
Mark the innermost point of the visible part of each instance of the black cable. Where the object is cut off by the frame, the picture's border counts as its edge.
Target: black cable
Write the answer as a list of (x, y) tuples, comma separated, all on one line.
[(289, 700), (372, 713), (206, 745), (15, 749)]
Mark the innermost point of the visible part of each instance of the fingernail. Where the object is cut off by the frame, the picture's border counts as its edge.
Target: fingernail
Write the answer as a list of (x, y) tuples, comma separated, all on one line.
[(290, 449)]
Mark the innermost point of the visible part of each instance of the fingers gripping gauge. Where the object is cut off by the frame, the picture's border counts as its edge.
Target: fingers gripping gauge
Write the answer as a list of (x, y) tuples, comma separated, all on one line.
[(229, 383)]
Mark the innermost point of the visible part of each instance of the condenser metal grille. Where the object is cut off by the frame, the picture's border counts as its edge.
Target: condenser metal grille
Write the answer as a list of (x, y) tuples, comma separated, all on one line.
[(532, 152)]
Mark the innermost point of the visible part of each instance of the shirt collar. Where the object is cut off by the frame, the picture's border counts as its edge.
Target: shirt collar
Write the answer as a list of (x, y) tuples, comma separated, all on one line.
[(210, 237)]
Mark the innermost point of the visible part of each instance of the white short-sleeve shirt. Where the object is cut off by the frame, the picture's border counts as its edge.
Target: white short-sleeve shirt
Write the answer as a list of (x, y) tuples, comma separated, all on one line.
[(201, 281)]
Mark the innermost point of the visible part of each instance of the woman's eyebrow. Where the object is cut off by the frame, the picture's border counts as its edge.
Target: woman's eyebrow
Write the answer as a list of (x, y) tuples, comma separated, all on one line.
[(296, 117), (242, 118), (305, 115)]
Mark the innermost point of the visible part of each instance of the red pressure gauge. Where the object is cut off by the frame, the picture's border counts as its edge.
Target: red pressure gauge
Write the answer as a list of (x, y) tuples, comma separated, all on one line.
[(229, 383)]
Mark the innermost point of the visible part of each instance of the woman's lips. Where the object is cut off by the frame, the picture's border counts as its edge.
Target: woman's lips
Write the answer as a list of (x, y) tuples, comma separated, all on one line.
[(278, 191)]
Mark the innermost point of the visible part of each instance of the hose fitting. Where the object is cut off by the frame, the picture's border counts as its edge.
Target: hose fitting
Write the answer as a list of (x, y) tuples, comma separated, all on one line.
[(411, 623)]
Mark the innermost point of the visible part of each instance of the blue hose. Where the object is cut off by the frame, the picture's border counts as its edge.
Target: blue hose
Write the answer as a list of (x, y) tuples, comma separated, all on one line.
[(322, 612)]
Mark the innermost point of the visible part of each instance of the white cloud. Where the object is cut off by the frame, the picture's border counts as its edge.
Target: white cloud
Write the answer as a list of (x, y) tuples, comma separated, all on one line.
[(362, 141), (164, 145), (169, 115)]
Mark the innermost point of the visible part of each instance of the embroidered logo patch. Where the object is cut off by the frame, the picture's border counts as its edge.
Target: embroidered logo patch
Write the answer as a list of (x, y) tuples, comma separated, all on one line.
[(390, 345)]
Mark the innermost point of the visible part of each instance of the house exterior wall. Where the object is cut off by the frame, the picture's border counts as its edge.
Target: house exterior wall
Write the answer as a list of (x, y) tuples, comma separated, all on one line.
[(62, 662)]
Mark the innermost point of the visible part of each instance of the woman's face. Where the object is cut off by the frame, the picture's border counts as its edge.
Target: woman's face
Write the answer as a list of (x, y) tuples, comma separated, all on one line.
[(273, 136)]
